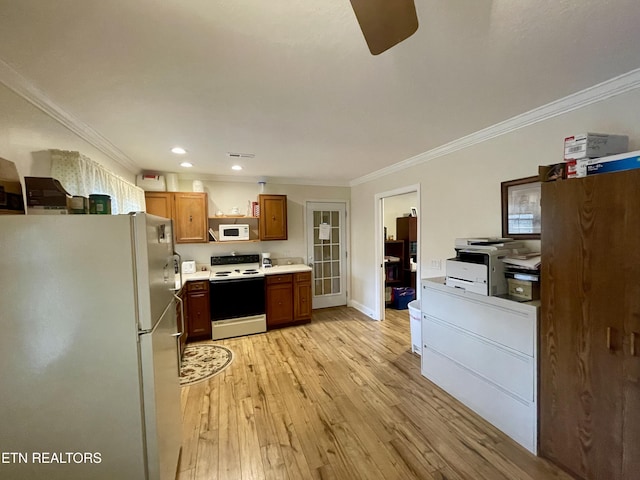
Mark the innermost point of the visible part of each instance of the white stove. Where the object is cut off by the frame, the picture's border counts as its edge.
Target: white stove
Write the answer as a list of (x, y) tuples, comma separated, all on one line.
[(228, 272), (237, 296)]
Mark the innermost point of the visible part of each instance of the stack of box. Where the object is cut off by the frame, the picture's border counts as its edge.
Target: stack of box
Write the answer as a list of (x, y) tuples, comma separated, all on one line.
[(591, 153), (581, 150)]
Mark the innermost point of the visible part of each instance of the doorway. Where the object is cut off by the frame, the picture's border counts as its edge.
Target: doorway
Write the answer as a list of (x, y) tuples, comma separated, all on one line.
[(326, 252), (397, 244)]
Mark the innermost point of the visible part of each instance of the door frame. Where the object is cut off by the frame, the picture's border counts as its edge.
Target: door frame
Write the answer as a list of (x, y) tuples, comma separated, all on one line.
[(378, 313), (347, 238)]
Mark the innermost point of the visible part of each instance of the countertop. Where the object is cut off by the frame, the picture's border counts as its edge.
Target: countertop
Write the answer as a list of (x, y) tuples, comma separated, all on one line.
[(275, 270)]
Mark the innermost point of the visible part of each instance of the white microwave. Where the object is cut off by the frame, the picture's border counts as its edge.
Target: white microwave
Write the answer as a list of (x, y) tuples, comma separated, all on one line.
[(233, 232)]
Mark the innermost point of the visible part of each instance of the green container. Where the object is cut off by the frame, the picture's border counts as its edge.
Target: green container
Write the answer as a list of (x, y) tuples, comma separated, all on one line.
[(100, 204)]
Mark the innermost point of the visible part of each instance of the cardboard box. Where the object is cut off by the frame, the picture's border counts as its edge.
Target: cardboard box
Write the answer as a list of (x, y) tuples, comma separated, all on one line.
[(615, 163), (549, 173), (594, 145), (577, 168), (46, 192), (11, 199)]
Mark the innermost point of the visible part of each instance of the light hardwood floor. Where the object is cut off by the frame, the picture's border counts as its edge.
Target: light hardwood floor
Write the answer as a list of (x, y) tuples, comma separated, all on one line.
[(339, 398)]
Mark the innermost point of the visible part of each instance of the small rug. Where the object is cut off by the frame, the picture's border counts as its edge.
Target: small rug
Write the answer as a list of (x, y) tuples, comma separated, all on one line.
[(202, 361)]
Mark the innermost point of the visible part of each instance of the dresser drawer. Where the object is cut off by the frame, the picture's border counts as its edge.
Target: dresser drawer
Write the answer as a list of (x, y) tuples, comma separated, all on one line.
[(302, 277), (275, 279), (197, 286), (507, 369)]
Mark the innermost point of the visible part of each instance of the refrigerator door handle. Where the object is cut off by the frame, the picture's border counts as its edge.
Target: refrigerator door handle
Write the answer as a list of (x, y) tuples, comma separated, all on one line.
[(181, 332), (177, 257)]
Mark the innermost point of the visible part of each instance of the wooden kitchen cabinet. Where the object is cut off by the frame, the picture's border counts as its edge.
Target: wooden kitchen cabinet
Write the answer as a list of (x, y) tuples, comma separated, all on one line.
[(279, 299), (188, 210), (273, 217), (590, 325), (288, 299), (198, 312), (159, 203), (302, 296)]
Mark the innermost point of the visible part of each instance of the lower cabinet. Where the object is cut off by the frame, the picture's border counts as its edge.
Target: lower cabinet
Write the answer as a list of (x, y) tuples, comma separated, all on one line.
[(482, 350), (198, 313), (288, 299)]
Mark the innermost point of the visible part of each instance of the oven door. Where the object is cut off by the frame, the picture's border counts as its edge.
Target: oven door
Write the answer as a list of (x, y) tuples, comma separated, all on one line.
[(242, 297)]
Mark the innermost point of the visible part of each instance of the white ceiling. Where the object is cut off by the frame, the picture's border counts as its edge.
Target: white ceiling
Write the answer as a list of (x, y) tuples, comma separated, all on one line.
[(292, 81)]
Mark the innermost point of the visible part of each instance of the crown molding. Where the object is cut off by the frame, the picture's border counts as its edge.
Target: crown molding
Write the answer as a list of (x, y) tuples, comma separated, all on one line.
[(597, 93), (32, 94)]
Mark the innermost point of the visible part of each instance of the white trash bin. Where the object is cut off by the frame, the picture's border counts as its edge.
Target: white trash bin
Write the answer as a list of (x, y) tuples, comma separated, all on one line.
[(416, 326)]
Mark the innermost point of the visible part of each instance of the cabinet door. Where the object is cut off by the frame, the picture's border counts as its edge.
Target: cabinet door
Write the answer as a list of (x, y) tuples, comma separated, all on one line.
[(199, 315), (191, 220), (279, 304), (628, 283), (159, 203), (584, 253), (273, 217), (302, 296)]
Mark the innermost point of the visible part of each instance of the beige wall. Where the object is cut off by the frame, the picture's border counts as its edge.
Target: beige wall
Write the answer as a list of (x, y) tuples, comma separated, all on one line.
[(460, 192), (26, 130), (226, 195)]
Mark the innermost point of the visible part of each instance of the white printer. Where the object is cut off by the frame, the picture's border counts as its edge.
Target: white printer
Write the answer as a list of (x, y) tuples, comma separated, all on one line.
[(478, 267)]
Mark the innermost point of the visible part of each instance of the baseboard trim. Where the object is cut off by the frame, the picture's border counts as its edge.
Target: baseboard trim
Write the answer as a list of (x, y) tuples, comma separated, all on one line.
[(362, 309)]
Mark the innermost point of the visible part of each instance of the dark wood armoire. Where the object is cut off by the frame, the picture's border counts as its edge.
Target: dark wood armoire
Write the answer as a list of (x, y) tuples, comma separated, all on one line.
[(589, 379)]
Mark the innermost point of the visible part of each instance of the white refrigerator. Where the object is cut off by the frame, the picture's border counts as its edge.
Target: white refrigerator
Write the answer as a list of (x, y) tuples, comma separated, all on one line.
[(89, 380)]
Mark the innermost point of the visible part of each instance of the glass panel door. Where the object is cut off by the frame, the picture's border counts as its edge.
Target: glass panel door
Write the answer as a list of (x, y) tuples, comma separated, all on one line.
[(327, 256)]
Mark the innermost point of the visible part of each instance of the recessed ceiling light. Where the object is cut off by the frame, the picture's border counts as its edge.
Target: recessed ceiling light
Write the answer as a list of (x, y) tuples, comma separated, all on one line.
[(178, 150), (186, 165), (236, 167)]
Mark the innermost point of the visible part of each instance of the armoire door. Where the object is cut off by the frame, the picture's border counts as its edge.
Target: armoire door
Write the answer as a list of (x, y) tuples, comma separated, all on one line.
[(583, 309), (631, 366)]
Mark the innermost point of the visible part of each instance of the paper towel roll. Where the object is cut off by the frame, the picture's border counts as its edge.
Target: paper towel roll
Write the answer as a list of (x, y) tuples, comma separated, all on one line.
[(172, 182)]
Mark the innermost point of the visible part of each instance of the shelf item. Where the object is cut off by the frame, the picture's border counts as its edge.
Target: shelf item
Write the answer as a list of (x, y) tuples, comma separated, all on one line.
[(394, 260), (482, 351), (589, 363), (215, 222)]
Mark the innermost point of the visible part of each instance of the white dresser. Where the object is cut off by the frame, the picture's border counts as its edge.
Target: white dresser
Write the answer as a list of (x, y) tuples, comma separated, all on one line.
[(483, 351)]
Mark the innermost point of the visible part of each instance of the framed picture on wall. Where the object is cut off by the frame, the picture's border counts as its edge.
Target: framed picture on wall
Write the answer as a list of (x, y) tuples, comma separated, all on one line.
[(521, 209), (414, 212)]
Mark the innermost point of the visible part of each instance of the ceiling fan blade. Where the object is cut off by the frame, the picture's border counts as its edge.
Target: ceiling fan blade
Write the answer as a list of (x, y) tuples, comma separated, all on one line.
[(385, 23)]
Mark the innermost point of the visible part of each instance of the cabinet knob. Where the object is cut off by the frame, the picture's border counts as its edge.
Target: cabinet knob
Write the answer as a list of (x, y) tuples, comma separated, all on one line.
[(191, 218)]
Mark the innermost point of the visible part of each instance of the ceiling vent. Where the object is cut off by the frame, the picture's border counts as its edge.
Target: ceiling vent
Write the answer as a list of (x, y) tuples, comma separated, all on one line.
[(240, 155)]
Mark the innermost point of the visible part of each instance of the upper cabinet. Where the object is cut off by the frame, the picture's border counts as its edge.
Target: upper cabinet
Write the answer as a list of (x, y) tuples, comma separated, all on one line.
[(273, 217), (188, 210)]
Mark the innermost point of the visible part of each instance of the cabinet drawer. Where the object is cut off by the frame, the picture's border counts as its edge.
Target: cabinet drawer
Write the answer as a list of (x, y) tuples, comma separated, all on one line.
[(510, 414), (197, 286), (507, 369), (284, 278), (303, 277), (510, 327)]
